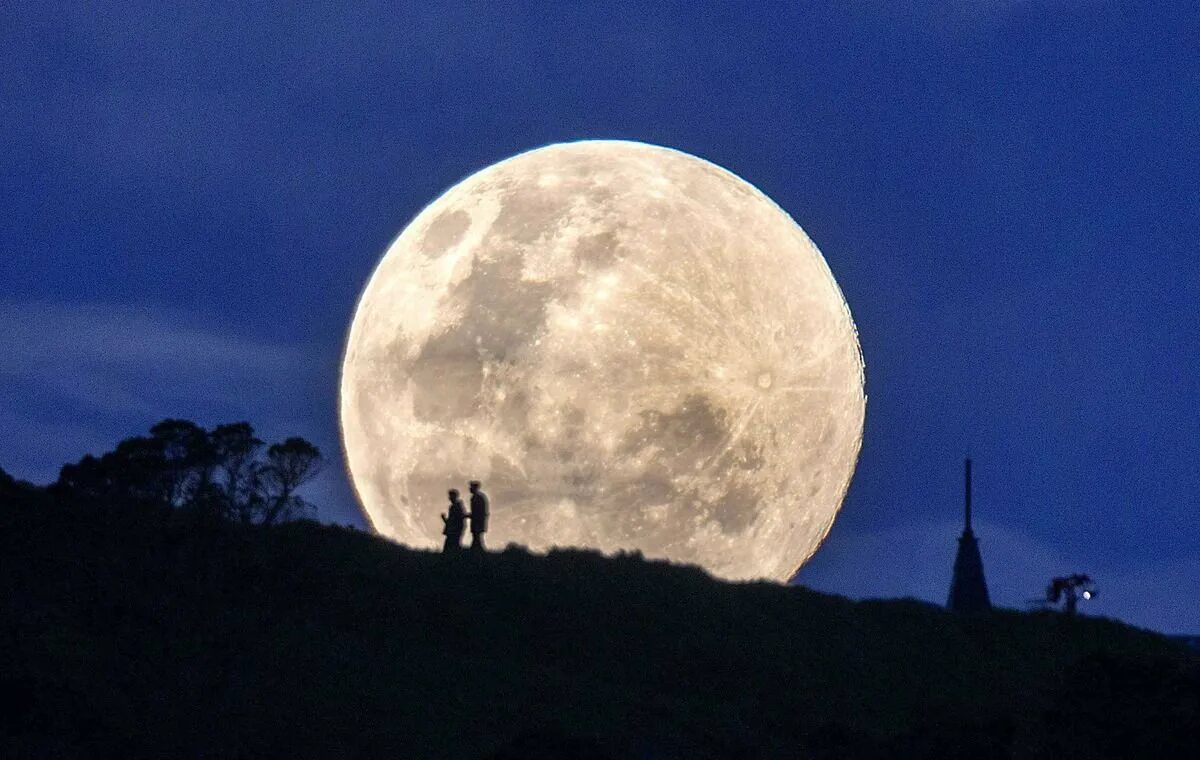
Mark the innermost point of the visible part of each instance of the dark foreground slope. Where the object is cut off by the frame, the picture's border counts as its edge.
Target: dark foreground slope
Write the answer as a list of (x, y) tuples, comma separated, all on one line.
[(155, 634)]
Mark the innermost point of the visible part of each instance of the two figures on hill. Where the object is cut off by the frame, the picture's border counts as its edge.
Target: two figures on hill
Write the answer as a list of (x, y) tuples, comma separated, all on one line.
[(454, 521)]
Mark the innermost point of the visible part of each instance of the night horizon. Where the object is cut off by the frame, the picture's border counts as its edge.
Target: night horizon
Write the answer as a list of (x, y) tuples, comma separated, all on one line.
[(1006, 194)]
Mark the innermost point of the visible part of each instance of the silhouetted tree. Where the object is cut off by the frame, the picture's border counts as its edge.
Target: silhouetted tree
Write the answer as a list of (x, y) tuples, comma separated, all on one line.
[(289, 466), (81, 480), (222, 473), (235, 449), (188, 459), (130, 475)]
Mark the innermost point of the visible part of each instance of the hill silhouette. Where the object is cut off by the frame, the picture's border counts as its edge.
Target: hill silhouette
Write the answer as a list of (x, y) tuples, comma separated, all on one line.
[(140, 630)]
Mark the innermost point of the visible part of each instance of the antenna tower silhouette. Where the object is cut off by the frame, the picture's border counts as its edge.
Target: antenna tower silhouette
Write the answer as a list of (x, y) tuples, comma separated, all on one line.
[(968, 589)]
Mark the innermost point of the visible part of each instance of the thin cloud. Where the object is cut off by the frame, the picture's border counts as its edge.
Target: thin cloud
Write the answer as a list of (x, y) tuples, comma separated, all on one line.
[(120, 358), (100, 372)]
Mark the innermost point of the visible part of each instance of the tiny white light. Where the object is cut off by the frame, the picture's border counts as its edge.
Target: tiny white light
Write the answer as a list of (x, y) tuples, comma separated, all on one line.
[(1087, 594)]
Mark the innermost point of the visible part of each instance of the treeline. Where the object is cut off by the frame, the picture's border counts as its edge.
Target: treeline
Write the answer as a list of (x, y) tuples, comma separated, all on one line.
[(226, 473)]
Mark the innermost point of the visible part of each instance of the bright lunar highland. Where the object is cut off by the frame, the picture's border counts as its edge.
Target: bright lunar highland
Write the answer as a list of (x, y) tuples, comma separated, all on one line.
[(630, 346)]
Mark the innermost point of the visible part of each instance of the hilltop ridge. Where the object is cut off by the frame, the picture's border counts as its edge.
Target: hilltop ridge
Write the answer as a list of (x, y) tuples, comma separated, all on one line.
[(151, 632)]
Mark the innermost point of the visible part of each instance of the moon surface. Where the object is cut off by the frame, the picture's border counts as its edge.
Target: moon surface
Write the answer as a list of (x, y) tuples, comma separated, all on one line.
[(630, 346)]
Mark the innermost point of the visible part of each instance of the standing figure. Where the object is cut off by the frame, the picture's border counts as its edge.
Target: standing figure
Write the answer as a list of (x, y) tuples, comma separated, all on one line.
[(454, 524), (479, 516)]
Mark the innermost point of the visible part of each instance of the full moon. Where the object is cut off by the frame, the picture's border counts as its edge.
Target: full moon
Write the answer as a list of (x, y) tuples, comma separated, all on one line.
[(631, 347)]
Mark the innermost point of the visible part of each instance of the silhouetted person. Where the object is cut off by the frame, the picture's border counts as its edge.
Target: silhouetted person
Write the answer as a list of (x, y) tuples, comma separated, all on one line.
[(479, 516), (454, 524)]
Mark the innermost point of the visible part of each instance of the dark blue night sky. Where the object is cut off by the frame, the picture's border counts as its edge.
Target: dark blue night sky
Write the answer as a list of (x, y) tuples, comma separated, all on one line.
[(1007, 192)]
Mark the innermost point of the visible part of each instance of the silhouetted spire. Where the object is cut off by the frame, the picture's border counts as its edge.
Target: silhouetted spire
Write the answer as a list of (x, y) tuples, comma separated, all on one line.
[(968, 589), (967, 497)]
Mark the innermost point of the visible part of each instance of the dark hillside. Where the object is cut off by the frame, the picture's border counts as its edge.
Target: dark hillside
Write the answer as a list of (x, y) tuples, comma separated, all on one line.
[(161, 633)]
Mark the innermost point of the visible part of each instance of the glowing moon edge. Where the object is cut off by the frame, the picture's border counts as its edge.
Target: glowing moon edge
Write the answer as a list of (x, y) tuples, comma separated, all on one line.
[(443, 275)]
